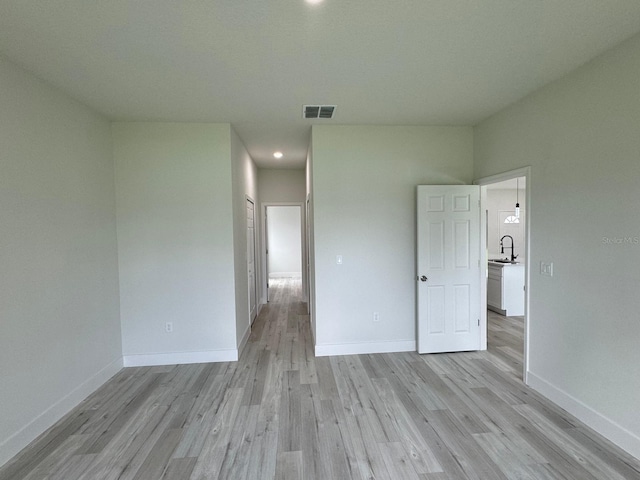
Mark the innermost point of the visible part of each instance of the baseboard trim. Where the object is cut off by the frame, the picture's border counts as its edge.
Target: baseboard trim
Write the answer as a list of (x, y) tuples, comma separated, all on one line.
[(244, 340), (23, 437), (606, 427), (497, 310), (365, 348), (176, 358)]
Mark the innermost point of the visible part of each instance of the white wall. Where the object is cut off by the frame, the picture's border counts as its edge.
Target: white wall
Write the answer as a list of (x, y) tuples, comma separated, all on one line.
[(245, 184), (175, 241), (284, 238), (59, 327), (581, 136), (364, 187)]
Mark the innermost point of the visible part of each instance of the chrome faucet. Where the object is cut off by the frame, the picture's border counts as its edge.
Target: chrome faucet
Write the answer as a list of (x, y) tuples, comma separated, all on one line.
[(513, 257)]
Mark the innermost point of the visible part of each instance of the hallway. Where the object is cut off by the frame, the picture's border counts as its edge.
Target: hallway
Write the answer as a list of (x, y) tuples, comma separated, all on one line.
[(505, 340), (281, 413)]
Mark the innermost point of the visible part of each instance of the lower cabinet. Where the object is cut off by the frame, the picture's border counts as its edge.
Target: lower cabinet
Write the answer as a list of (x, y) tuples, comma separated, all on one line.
[(505, 289)]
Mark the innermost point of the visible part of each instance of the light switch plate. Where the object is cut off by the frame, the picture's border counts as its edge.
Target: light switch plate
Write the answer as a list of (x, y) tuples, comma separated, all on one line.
[(546, 269)]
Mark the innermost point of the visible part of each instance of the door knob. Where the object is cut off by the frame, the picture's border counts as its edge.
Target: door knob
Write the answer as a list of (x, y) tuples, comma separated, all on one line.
[(423, 278)]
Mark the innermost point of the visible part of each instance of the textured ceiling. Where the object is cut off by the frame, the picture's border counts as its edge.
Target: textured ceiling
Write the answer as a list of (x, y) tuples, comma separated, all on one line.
[(254, 63)]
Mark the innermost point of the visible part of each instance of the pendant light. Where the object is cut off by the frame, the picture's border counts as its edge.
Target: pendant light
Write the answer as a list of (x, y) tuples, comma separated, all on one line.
[(517, 203)]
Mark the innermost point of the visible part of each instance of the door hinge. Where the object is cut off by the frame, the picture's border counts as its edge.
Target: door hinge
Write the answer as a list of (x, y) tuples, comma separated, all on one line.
[(478, 322)]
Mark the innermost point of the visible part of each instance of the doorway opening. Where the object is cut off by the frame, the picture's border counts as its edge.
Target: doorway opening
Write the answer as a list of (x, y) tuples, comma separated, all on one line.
[(507, 259), (283, 244)]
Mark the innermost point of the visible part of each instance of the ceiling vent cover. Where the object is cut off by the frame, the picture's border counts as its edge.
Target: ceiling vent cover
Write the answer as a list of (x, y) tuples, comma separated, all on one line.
[(318, 111)]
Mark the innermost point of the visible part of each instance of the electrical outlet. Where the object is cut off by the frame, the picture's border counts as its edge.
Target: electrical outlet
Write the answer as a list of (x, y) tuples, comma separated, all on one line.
[(546, 269), (168, 327), (376, 317)]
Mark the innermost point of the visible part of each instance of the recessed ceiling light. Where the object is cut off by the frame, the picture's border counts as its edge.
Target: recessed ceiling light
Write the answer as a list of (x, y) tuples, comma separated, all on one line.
[(278, 154), (314, 2)]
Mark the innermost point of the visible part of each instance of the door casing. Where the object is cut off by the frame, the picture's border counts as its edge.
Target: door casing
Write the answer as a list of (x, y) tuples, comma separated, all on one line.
[(501, 177), (252, 277), (263, 217)]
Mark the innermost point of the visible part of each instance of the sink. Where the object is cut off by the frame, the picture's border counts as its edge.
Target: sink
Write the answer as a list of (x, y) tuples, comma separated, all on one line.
[(500, 260)]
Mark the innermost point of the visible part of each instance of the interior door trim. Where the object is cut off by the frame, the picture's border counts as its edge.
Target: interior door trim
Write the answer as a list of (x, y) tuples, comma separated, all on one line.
[(500, 177)]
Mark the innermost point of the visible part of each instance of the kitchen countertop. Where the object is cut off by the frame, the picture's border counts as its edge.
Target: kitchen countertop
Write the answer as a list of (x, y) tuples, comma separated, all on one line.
[(501, 264)]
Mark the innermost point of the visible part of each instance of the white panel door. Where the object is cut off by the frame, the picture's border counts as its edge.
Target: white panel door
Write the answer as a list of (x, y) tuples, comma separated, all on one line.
[(251, 259), (449, 274)]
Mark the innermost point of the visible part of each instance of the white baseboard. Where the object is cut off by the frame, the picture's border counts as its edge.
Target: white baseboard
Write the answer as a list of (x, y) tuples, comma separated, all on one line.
[(606, 427), (244, 340), (313, 332), (365, 348), (175, 358), (20, 439)]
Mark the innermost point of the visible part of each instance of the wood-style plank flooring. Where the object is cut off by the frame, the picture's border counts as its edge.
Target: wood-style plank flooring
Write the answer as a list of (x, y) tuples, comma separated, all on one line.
[(282, 413)]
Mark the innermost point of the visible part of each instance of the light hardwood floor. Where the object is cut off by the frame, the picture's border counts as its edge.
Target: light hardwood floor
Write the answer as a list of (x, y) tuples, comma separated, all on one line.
[(282, 413)]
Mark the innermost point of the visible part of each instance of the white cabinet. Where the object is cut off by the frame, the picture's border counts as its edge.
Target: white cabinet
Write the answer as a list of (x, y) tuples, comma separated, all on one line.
[(505, 288), (494, 287)]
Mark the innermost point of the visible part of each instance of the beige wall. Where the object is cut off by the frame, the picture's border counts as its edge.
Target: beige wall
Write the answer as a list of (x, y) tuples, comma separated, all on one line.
[(364, 196), (175, 242), (59, 308), (581, 137)]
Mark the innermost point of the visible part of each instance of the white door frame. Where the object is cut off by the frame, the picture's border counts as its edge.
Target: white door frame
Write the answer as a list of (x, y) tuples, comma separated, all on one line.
[(501, 177), (263, 220), (307, 252), (252, 318)]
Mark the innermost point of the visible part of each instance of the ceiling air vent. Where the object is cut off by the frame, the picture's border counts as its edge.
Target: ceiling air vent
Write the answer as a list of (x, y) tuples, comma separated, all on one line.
[(318, 111)]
